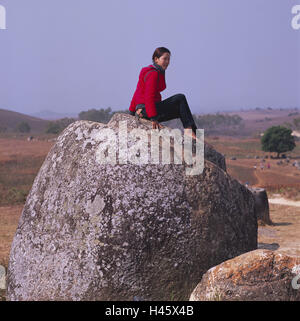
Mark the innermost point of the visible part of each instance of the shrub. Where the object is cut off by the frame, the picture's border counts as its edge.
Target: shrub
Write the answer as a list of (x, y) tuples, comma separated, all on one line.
[(56, 127), (278, 139), (23, 127)]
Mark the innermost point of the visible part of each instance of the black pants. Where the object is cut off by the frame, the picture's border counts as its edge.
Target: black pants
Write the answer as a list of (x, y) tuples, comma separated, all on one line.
[(171, 108)]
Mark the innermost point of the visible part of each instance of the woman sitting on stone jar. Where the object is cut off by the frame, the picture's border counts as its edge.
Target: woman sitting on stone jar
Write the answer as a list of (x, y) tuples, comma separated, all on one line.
[(146, 101)]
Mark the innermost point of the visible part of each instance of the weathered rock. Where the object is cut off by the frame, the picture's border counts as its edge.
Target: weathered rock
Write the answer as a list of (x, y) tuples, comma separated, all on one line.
[(260, 275), (92, 231), (134, 122), (261, 205)]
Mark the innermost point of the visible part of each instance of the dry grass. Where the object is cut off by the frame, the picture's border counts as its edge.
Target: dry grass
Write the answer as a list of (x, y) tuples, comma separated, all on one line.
[(284, 235), (12, 148), (283, 179), (9, 218), (243, 172), (288, 192), (277, 177), (20, 161)]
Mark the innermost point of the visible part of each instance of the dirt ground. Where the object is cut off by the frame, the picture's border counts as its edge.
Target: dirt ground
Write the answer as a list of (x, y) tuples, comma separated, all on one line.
[(9, 218), (11, 149), (284, 234), (285, 174)]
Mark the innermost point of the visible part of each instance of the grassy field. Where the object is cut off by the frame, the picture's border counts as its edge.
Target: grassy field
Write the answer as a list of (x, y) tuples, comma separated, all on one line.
[(20, 161), (244, 148), (283, 179), (9, 218), (283, 235)]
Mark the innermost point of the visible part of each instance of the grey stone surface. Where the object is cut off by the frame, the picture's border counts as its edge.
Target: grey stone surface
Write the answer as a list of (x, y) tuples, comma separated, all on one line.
[(260, 275), (92, 231)]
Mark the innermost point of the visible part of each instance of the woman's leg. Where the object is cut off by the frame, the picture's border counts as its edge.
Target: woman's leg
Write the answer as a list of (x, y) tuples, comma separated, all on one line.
[(176, 107)]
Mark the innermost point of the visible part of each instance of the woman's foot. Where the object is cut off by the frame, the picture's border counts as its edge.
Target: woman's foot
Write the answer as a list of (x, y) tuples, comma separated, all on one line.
[(193, 135), (139, 112), (190, 133)]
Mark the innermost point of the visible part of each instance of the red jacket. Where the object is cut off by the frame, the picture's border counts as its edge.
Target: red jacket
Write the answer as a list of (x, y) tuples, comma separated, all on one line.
[(148, 92)]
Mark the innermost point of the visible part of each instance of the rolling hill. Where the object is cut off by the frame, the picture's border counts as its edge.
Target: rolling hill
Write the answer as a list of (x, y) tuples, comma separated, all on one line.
[(253, 121), (258, 120), (9, 120)]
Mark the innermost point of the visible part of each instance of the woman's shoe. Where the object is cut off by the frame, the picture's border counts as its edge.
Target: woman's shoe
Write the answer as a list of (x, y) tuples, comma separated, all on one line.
[(139, 112), (194, 137)]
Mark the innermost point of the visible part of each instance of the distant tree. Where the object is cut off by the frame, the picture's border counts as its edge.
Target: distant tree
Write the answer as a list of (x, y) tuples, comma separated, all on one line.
[(293, 114), (297, 122), (100, 115), (213, 121), (57, 126), (3, 129), (23, 127), (278, 139), (52, 128)]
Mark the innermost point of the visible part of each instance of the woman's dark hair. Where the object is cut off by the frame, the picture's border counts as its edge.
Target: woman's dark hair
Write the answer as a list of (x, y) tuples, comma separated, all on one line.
[(159, 52)]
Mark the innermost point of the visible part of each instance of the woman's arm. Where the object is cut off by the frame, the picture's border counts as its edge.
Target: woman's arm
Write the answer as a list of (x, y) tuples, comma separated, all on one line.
[(151, 88), (132, 104)]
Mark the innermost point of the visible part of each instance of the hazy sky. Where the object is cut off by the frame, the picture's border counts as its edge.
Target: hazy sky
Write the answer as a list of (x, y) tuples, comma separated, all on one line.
[(73, 55)]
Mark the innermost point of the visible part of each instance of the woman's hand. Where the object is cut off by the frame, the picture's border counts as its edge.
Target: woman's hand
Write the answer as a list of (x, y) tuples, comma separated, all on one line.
[(156, 125)]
